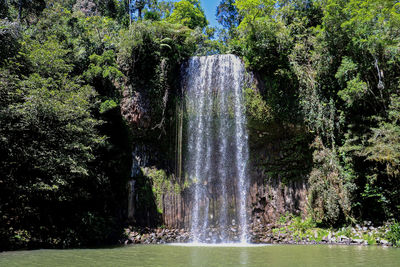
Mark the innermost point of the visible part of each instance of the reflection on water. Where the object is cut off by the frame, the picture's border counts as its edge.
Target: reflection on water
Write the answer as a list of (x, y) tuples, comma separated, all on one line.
[(243, 257), (200, 250), (207, 256), (194, 257), (227, 245)]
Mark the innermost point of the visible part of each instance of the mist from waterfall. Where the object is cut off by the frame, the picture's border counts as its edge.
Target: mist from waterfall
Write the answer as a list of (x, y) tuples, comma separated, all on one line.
[(216, 155)]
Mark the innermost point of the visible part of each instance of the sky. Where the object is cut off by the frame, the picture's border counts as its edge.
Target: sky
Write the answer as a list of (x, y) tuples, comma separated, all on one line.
[(210, 8)]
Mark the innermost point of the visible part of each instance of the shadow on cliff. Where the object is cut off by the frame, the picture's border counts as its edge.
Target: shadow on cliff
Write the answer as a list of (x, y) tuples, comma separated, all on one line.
[(280, 163), (146, 211), (151, 173)]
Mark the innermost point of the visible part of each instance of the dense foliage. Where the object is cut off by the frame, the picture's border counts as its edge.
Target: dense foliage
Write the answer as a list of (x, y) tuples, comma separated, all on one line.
[(65, 148), (333, 66), (68, 69)]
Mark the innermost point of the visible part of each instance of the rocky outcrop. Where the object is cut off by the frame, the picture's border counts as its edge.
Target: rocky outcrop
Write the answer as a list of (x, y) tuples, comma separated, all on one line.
[(280, 163), (176, 209), (155, 236), (266, 234), (136, 110), (269, 200)]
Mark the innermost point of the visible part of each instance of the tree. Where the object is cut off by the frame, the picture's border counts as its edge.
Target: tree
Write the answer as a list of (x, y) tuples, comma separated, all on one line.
[(9, 40), (48, 139), (60, 131), (87, 7), (4, 9), (28, 9), (384, 144), (165, 8), (228, 15), (140, 5), (188, 13), (250, 10), (159, 10)]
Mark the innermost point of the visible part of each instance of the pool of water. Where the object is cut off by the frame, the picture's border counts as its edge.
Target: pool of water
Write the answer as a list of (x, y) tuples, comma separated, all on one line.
[(208, 256)]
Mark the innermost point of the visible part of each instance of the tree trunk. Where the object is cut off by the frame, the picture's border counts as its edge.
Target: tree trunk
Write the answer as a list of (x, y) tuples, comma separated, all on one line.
[(140, 13), (20, 10)]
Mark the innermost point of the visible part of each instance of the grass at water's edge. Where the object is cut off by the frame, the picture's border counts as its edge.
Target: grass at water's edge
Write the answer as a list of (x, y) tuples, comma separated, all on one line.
[(292, 229)]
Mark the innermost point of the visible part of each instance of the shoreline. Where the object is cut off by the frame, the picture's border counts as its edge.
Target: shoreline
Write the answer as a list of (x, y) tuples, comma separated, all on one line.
[(269, 234)]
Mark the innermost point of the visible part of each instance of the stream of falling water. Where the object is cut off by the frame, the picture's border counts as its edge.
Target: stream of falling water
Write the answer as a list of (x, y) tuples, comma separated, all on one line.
[(217, 147)]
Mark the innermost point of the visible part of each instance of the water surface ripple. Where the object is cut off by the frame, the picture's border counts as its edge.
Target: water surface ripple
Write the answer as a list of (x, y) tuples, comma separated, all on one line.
[(208, 256)]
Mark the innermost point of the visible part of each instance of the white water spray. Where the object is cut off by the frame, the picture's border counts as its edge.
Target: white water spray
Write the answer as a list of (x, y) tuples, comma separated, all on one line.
[(217, 147)]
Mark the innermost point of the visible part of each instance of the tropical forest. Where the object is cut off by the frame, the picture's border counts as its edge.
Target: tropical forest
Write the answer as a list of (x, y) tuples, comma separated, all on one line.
[(199, 133)]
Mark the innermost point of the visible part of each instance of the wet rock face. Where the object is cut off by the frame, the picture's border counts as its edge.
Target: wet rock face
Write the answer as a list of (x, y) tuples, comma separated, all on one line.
[(142, 200), (136, 110), (277, 182), (269, 200), (280, 163)]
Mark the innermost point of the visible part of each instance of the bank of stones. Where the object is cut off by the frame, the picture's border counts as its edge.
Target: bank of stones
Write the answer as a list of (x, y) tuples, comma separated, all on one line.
[(264, 234)]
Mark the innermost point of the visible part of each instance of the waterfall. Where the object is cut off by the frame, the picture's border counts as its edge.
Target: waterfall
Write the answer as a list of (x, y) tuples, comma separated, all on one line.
[(216, 155)]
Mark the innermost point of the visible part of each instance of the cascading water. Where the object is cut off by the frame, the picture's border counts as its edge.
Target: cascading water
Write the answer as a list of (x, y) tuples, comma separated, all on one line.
[(217, 150)]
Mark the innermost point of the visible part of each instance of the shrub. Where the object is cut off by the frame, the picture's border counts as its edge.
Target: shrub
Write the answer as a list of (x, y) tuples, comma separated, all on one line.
[(393, 235), (330, 191), (256, 107)]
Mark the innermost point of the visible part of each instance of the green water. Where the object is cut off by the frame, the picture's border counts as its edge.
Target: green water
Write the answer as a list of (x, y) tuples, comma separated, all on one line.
[(176, 256)]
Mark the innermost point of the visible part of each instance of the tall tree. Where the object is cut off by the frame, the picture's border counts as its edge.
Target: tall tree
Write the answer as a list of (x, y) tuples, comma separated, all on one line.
[(140, 5), (188, 13), (227, 14), (28, 8)]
